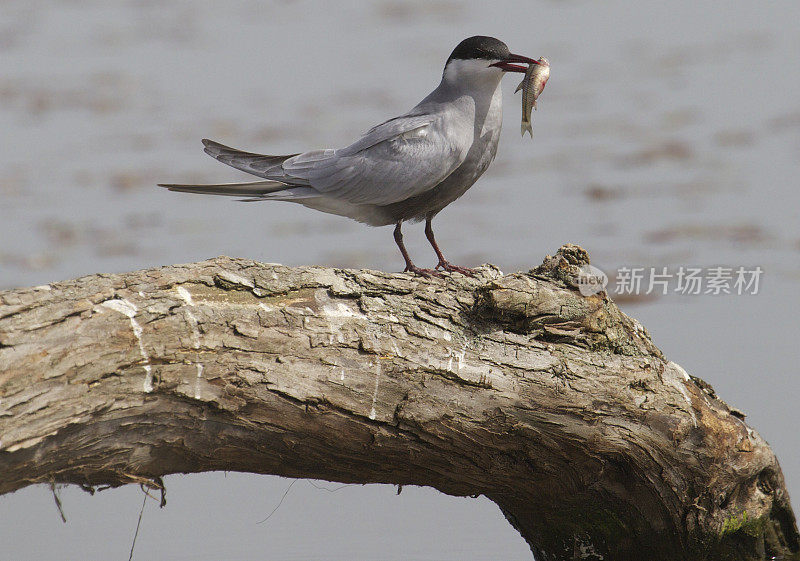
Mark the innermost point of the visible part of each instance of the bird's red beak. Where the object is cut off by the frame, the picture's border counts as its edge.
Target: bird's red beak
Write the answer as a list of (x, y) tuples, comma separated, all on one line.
[(508, 66)]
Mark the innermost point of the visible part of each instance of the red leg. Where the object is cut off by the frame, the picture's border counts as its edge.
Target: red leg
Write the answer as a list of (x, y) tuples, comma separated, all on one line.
[(444, 263), (410, 267)]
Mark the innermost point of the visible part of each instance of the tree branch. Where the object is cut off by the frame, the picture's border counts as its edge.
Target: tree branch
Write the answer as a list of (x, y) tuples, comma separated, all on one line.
[(556, 406)]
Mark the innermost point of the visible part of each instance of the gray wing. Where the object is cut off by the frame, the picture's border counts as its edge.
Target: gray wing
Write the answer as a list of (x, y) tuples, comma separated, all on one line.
[(393, 161), (388, 130), (396, 160), (263, 165)]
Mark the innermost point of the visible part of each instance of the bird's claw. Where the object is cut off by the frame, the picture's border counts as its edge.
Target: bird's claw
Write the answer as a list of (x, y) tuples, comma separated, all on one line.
[(446, 266), (427, 273)]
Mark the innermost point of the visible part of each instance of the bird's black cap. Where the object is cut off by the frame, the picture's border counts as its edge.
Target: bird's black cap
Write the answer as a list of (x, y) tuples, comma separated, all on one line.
[(481, 47)]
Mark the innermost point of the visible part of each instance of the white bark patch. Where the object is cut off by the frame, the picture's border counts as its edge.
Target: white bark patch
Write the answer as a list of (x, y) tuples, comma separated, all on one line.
[(197, 393), (122, 306), (676, 376), (129, 309), (372, 412), (679, 369), (147, 385), (340, 310), (191, 320), (337, 314), (185, 295), (458, 356)]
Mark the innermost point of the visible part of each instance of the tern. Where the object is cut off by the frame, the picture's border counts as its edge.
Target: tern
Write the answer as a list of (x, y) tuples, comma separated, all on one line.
[(405, 169)]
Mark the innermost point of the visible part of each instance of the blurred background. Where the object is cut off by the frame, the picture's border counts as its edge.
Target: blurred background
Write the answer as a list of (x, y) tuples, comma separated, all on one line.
[(668, 135)]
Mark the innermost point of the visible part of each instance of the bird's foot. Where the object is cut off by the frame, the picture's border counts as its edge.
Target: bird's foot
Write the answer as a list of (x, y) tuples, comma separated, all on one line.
[(427, 273), (446, 266)]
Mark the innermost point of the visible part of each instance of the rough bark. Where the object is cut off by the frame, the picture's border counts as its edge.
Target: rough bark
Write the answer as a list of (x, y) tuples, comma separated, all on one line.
[(556, 406)]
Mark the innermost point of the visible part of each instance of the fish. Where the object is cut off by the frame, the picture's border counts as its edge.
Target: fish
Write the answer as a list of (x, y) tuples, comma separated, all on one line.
[(532, 85)]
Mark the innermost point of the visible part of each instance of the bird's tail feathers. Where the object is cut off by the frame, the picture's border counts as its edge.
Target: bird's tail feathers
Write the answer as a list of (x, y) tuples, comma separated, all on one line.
[(250, 162), (272, 187), (251, 189)]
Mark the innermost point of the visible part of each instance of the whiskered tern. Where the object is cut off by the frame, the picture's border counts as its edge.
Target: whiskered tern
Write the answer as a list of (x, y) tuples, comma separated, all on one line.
[(405, 169)]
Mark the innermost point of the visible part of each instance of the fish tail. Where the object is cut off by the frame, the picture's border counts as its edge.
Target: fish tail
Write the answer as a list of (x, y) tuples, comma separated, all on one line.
[(526, 127)]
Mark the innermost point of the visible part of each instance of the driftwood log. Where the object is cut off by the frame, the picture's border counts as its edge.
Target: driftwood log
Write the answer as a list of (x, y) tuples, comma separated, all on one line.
[(556, 406)]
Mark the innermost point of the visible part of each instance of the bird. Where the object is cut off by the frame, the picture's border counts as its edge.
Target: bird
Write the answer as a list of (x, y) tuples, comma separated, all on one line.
[(405, 169)]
